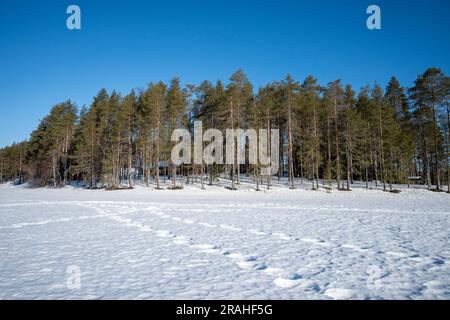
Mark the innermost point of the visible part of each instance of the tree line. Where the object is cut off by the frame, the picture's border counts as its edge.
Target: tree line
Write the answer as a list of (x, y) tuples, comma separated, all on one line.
[(330, 135)]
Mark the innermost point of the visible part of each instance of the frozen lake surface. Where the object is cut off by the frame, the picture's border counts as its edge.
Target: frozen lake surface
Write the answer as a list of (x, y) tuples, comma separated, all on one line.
[(221, 244)]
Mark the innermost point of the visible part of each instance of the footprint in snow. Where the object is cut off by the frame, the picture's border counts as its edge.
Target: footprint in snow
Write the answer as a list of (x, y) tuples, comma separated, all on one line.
[(281, 236), (164, 234), (340, 294), (206, 248), (180, 240), (238, 256), (42, 222), (257, 232), (274, 271), (310, 285), (309, 240), (436, 285), (288, 283), (353, 247), (223, 226), (207, 225), (251, 265), (246, 262), (203, 246), (398, 254)]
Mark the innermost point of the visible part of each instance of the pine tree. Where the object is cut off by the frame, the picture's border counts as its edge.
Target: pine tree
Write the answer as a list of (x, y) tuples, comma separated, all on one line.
[(446, 121), (290, 87), (397, 100), (209, 107), (348, 104), (310, 113), (334, 98), (127, 118), (49, 146), (157, 100), (175, 112), (325, 133), (428, 94), (239, 93)]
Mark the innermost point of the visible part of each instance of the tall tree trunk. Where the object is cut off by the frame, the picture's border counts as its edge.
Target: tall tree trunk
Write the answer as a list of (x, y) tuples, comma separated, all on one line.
[(20, 167), (158, 141), (1, 169), (375, 168), (391, 159), (210, 169), (365, 157), (238, 145), (233, 166), (436, 147), (351, 161), (145, 170), (269, 149), (174, 175), (54, 160), (315, 149), (381, 143), (65, 161), (347, 149), (447, 149), (201, 175), (130, 153), (117, 175), (338, 162), (92, 169), (425, 154), (348, 169), (290, 146), (329, 150)]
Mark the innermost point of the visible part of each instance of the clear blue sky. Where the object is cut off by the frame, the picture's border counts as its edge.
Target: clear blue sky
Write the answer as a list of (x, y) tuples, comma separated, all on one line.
[(126, 44)]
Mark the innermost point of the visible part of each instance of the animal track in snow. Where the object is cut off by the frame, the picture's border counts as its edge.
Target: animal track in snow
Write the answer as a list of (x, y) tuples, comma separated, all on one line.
[(227, 227), (249, 262), (208, 225), (274, 271), (309, 240), (257, 232), (339, 293), (164, 234), (281, 236), (288, 283), (252, 263)]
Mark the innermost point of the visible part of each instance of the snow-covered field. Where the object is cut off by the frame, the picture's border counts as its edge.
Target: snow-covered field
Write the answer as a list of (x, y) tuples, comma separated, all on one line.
[(221, 244)]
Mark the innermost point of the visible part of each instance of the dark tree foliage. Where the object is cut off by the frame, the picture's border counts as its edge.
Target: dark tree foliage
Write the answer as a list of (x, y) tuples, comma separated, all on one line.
[(330, 136)]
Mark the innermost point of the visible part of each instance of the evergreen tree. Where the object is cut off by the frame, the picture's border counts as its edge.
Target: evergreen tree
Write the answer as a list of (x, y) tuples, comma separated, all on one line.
[(327, 133), (176, 116)]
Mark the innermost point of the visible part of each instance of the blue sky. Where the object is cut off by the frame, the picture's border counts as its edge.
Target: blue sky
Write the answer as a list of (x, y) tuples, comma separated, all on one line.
[(126, 44)]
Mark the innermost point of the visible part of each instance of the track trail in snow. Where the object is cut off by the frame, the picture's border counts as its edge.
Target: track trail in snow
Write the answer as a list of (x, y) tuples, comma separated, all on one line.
[(248, 262), (117, 210), (302, 245), (155, 210)]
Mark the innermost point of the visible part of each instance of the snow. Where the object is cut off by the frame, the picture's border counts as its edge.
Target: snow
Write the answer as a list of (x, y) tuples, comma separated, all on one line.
[(222, 244)]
